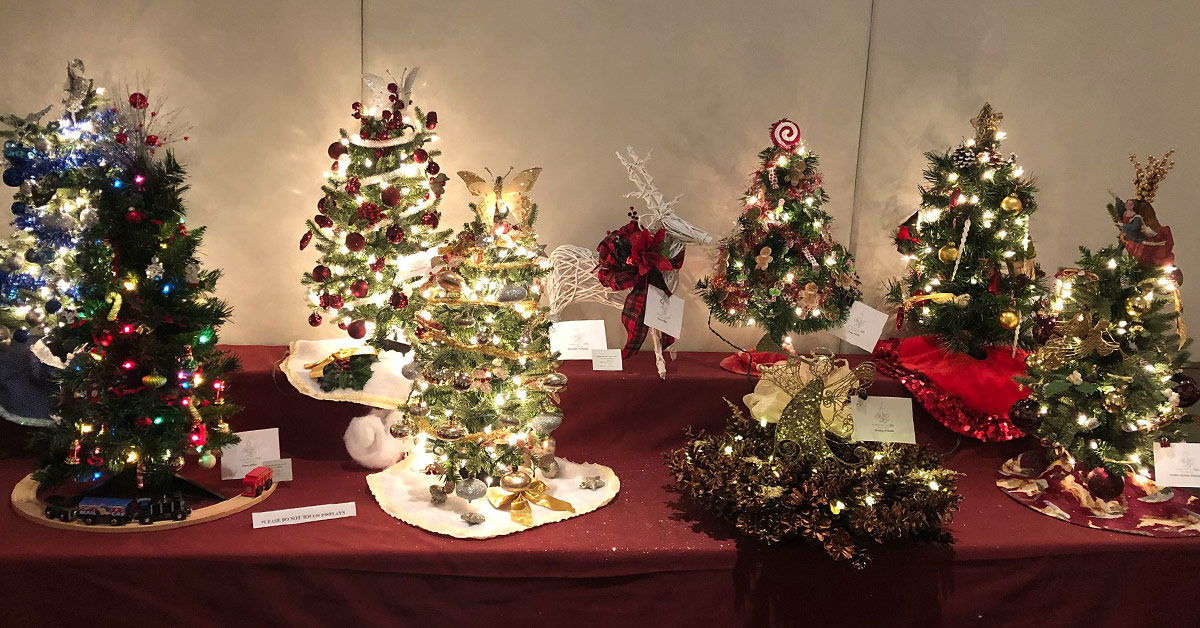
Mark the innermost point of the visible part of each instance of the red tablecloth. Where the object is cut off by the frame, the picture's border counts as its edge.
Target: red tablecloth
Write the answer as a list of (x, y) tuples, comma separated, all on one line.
[(648, 559)]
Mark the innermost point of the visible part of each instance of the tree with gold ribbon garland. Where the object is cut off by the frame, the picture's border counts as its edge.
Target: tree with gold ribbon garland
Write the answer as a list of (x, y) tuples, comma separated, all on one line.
[(485, 395)]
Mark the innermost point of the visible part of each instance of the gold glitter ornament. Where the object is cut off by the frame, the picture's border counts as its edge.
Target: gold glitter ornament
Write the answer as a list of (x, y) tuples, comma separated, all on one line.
[(948, 253), (1009, 319), (1114, 401), (1012, 203)]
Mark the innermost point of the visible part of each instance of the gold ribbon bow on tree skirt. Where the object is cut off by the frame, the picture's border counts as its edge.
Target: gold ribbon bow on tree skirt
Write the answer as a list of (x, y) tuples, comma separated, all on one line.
[(317, 369), (518, 503)]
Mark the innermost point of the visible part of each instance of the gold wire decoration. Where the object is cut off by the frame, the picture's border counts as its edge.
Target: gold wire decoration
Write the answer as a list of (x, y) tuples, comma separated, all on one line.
[(800, 430), (1079, 338)]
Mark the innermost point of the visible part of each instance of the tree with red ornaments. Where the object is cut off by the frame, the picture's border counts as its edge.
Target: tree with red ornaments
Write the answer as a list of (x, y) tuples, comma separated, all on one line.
[(781, 268), (143, 391), (378, 214)]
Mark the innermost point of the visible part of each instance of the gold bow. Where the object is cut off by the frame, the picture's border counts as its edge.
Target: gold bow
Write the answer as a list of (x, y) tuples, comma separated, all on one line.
[(941, 298), (518, 503), (317, 369)]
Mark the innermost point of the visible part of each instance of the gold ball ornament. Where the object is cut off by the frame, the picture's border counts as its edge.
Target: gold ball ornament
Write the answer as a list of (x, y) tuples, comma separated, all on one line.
[(516, 481), (450, 281), (948, 253), (1114, 401), (1138, 305), (399, 429), (554, 382), (154, 380), (1012, 203), (451, 431), (1009, 319)]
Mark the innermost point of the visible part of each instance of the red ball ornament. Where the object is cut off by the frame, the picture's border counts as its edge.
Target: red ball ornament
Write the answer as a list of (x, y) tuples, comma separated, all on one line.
[(353, 185), (433, 168), (305, 239), (431, 120), (1105, 485), (144, 422), (152, 140), (138, 100), (357, 329), (429, 219), (393, 88), (391, 196), (314, 319), (377, 265), (356, 242), (133, 216), (321, 273), (121, 138), (395, 234), (337, 149), (420, 155), (398, 300), (323, 221), (360, 288), (1026, 415)]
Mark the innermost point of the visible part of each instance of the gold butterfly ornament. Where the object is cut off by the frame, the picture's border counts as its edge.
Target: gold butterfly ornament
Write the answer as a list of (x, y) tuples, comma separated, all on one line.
[(502, 197)]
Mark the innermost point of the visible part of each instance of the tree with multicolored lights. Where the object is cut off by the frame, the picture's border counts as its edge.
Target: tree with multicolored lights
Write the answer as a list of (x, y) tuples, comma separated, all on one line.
[(781, 268), (1108, 383), (972, 279), (378, 212), (144, 389), (56, 168)]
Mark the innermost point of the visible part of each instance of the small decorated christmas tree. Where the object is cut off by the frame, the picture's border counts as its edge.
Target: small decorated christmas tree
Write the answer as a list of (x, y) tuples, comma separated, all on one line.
[(378, 212), (486, 392), (56, 167), (970, 289), (144, 390), (781, 269), (1108, 383), (972, 276), (786, 471)]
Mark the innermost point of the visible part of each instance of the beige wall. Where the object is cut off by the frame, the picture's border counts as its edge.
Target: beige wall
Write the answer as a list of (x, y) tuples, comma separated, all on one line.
[(564, 85)]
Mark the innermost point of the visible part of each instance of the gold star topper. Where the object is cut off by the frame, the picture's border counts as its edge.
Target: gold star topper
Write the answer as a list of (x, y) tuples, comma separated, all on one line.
[(986, 122), (1146, 178)]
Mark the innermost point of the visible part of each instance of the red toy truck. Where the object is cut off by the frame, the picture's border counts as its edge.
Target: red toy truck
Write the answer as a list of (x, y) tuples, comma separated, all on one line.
[(256, 481)]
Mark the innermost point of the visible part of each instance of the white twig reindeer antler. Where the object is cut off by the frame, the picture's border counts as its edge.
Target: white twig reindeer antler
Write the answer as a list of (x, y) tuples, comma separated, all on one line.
[(573, 277)]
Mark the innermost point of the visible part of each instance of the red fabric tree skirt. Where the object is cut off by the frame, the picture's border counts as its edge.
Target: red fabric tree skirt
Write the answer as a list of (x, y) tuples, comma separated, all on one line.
[(969, 396), (1053, 490)]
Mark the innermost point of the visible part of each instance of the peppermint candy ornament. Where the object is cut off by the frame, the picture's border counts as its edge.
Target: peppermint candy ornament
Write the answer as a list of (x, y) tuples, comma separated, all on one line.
[(785, 134)]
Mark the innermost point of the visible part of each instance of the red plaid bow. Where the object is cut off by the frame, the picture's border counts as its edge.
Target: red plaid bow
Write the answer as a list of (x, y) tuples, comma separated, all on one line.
[(630, 258)]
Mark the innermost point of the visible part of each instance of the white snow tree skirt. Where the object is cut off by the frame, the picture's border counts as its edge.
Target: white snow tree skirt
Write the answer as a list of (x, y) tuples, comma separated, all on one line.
[(402, 490), (386, 388)]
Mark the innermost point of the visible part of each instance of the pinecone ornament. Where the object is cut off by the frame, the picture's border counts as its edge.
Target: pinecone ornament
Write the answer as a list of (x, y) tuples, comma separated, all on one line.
[(964, 157)]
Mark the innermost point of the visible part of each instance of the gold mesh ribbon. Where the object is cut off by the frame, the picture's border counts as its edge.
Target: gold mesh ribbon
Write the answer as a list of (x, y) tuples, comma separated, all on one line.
[(519, 504), (317, 369)]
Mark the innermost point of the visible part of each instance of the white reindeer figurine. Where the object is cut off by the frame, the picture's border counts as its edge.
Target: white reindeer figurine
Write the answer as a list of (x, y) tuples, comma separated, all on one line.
[(573, 277)]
